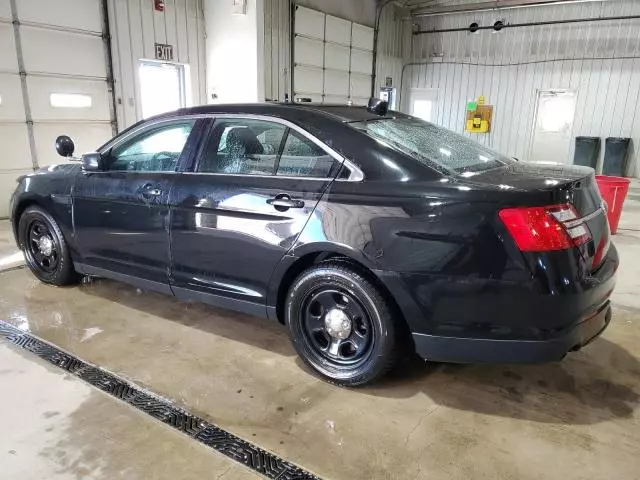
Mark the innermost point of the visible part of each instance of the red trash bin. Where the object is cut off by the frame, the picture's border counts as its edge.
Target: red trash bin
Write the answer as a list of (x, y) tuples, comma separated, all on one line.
[(614, 191)]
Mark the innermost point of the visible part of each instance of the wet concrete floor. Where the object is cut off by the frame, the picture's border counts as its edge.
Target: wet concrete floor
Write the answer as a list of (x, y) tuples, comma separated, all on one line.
[(56, 427), (573, 419)]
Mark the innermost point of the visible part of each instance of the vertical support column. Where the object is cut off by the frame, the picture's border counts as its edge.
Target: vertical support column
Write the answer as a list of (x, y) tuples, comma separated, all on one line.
[(108, 60), (23, 84)]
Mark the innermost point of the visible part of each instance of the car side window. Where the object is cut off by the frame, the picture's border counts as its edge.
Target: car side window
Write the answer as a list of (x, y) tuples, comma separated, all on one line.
[(157, 149), (303, 158), (242, 146)]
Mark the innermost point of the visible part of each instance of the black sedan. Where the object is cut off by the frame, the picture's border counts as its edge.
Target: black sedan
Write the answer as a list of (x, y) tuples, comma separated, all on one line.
[(368, 233)]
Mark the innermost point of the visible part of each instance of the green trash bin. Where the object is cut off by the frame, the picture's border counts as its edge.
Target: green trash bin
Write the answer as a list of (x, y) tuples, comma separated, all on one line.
[(616, 156), (587, 151)]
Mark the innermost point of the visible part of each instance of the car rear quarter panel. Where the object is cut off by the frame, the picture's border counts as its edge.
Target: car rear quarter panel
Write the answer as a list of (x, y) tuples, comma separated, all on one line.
[(424, 242)]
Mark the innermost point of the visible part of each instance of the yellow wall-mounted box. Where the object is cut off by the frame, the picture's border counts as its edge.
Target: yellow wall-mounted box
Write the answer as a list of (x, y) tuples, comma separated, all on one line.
[(483, 128), (482, 112)]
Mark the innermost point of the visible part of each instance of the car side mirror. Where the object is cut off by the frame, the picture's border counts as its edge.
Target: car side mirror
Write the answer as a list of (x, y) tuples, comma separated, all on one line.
[(92, 162), (65, 146)]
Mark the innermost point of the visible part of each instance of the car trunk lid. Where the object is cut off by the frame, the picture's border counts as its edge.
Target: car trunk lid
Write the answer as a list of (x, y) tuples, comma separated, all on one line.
[(528, 185)]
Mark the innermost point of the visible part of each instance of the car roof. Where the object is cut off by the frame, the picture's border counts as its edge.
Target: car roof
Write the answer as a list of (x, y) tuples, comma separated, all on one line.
[(336, 112)]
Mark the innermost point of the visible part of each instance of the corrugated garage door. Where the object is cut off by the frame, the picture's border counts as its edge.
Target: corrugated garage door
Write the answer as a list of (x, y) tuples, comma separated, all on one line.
[(52, 81), (332, 58)]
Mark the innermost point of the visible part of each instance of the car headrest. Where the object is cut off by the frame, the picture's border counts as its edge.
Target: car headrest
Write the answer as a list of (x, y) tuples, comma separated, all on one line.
[(245, 141)]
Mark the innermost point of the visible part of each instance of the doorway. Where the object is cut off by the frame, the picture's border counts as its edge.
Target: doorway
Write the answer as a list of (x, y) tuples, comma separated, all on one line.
[(162, 87), (555, 111), (423, 102)]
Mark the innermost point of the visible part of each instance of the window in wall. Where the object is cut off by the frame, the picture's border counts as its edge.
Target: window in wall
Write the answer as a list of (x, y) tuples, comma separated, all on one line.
[(70, 100), (155, 150), (422, 109), (163, 87)]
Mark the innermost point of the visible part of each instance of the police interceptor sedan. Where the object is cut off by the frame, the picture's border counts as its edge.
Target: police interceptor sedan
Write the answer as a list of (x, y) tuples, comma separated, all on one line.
[(368, 233)]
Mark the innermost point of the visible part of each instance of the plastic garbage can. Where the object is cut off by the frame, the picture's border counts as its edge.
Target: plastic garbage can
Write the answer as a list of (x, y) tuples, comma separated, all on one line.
[(613, 190), (615, 156), (587, 151)]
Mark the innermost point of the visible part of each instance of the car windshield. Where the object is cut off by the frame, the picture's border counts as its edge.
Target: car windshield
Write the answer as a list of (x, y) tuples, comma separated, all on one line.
[(432, 145)]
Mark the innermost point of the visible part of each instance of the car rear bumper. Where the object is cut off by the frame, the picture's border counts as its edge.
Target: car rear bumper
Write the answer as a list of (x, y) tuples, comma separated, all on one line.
[(485, 350)]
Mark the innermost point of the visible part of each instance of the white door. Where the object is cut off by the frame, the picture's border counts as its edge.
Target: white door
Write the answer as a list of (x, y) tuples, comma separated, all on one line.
[(60, 48), (555, 111), (162, 87), (422, 103)]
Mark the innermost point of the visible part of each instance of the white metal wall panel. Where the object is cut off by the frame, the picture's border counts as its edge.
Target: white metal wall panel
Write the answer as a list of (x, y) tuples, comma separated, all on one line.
[(72, 14), (15, 152), (62, 52), (362, 37), (336, 83), (360, 86), (309, 23), (338, 30), (8, 59), (277, 51), (54, 51), (309, 79), (394, 46), (337, 57), (5, 9), (11, 104), (309, 52), (361, 61), (87, 137), (41, 88), (336, 99), (135, 29), (600, 60)]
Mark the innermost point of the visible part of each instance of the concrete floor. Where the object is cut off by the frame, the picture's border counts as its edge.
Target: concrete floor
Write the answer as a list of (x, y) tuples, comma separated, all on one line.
[(575, 419)]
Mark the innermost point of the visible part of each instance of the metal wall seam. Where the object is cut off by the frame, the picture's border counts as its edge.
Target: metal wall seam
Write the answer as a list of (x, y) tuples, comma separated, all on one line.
[(108, 59), (23, 84)]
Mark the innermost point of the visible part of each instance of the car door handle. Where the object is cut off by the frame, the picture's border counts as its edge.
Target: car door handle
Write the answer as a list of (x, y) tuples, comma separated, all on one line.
[(150, 190), (284, 202)]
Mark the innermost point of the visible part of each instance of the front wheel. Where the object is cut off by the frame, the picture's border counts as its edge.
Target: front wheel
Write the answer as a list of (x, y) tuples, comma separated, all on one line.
[(340, 324), (45, 250)]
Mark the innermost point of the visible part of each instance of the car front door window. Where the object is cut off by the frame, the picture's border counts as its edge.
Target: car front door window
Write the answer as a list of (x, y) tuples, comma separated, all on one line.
[(157, 149)]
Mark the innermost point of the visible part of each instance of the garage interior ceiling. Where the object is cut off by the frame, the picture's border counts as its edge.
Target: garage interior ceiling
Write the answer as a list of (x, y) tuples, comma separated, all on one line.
[(333, 58), (432, 8)]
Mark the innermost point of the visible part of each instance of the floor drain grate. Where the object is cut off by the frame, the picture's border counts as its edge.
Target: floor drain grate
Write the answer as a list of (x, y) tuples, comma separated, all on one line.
[(246, 453)]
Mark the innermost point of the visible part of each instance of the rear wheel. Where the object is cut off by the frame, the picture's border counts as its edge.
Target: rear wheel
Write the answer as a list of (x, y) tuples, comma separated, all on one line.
[(340, 325), (45, 250)]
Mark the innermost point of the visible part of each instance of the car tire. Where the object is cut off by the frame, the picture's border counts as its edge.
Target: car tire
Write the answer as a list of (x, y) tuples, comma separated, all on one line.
[(333, 304), (45, 250)]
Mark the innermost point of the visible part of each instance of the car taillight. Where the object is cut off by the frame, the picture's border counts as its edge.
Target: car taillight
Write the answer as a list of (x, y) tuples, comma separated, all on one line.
[(539, 229)]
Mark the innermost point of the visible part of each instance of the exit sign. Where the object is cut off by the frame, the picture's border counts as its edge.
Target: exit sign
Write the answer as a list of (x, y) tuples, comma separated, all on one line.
[(164, 52)]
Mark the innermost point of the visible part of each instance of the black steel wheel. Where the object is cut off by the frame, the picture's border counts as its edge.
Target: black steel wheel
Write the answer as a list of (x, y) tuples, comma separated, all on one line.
[(340, 324), (45, 250)]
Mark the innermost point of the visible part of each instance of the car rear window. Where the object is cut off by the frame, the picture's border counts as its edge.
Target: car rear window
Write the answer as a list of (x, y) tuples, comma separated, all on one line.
[(432, 145)]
